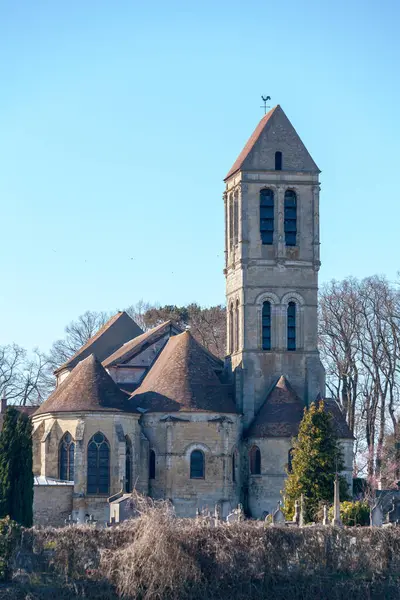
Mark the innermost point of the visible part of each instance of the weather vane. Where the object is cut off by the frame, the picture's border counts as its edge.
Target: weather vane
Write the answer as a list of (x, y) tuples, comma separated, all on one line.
[(265, 100)]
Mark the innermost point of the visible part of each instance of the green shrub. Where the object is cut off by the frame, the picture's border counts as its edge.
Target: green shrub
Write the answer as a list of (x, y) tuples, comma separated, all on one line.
[(353, 513), (9, 536)]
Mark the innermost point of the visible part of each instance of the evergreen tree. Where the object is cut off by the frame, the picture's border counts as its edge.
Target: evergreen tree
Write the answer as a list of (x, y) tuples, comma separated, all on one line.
[(316, 457), (16, 477)]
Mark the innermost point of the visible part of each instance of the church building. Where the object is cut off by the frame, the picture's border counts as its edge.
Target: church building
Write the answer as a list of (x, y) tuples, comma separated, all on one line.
[(157, 412)]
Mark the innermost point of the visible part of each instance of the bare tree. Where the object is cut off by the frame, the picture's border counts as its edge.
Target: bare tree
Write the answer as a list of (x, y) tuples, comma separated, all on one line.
[(23, 377)]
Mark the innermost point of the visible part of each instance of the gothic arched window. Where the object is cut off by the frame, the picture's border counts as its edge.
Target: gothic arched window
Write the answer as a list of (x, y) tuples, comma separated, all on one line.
[(152, 464), (237, 326), (266, 326), (197, 465), (290, 218), (278, 161), (98, 465), (231, 329), (66, 457), (267, 216), (128, 465), (255, 460), (291, 326)]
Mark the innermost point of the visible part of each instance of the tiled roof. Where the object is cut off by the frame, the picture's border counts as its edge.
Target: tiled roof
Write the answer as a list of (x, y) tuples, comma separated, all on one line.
[(87, 388), (280, 414), (129, 348), (183, 379), (118, 330), (250, 143), (282, 411)]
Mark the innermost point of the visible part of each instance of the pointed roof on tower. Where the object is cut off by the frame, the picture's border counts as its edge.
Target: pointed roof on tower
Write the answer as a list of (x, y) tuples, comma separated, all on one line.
[(275, 130), (183, 379), (88, 388)]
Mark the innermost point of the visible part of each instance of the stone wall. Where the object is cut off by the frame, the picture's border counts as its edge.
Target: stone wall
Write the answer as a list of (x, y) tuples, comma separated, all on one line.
[(174, 440), (52, 504)]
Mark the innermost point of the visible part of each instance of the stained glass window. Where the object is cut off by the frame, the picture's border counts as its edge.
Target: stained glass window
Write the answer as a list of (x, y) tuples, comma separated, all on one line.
[(67, 458), (98, 465)]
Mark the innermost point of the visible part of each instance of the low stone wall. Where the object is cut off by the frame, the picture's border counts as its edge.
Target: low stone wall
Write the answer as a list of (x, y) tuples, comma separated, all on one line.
[(52, 504)]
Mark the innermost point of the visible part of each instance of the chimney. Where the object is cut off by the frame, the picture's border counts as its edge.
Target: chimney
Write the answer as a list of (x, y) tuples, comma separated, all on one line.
[(3, 405)]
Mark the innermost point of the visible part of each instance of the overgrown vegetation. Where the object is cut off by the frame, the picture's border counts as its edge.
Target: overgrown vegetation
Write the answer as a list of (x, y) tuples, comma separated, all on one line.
[(353, 514), (157, 556), (316, 458)]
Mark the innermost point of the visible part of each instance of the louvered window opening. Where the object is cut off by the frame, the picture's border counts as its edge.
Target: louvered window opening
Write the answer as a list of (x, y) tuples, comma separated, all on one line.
[(67, 458), (290, 218), (291, 326), (267, 216), (98, 457), (266, 326), (278, 161)]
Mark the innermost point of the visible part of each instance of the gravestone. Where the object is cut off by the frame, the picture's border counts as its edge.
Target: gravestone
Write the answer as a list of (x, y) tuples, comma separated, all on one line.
[(376, 516), (337, 520), (325, 520), (278, 518), (302, 511), (296, 516)]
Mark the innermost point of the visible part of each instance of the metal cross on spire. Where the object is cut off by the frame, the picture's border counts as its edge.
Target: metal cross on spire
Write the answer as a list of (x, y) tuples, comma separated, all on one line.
[(265, 100)]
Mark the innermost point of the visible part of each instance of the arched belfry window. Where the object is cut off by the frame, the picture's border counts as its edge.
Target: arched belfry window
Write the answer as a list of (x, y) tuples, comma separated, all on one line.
[(255, 460), (128, 465), (98, 465), (67, 458), (266, 326), (278, 161), (267, 216), (290, 218), (237, 326), (197, 465), (152, 464), (291, 326)]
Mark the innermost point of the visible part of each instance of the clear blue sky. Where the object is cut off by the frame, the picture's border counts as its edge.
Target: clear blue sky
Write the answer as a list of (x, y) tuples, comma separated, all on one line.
[(119, 120)]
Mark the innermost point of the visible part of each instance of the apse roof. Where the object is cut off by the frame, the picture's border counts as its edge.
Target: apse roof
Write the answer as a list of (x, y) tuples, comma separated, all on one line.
[(87, 388), (183, 379)]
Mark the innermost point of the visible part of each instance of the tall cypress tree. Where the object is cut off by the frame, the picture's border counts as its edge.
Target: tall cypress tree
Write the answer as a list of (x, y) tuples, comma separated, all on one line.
[(316, 457), (16, 477)]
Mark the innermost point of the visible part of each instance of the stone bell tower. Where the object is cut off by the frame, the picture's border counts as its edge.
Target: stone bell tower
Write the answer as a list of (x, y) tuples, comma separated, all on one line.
[(272, 262)]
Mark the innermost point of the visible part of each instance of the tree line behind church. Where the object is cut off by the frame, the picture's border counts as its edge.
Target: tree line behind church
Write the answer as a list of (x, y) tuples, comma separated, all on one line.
[(359, 336)]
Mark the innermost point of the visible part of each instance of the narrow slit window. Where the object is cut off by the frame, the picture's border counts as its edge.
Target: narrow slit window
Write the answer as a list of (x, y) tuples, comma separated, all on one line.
[(290, 218), (233, 468), (237, 326), (235, 219), (266, 326), (291, 326), (267, 216), (230, 221), (152, 464), (255, 461), (128, 466), (278, 161), (231, 345), (197, 465)]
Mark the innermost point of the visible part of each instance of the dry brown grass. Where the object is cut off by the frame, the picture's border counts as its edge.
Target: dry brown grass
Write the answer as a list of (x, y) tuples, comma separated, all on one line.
[(157, 556)]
